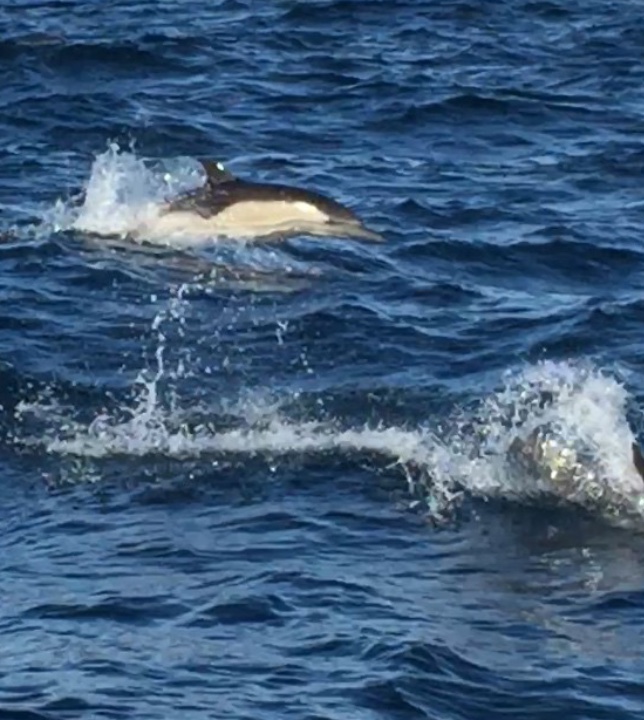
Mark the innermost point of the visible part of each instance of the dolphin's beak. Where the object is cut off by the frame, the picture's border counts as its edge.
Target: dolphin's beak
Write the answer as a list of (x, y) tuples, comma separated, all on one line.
[(357, 231), (371, 235)]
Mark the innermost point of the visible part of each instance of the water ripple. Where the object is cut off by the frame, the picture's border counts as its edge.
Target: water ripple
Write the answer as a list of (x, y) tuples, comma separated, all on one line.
[(269, 480)]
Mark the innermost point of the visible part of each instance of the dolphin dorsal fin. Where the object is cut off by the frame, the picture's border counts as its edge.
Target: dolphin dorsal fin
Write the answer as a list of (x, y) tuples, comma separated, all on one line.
[(638, 459), (216, 173)]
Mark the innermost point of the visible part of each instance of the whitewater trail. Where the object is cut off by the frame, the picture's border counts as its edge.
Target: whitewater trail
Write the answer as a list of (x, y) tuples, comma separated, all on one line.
[(591, 411), (469, 453)]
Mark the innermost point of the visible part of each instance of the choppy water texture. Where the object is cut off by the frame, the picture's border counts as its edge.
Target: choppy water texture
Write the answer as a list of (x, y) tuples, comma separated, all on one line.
[(250, 481)]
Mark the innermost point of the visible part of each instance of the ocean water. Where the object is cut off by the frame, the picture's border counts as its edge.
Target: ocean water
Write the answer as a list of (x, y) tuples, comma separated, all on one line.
[(271, 480)]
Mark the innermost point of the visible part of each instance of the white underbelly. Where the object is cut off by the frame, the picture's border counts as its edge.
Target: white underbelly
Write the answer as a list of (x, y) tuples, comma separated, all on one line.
[(244, 220)]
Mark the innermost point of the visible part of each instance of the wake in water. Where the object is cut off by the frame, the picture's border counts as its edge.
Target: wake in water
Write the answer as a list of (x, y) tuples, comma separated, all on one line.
[(556, 432), (176, 206), (574, 447), (573, 414), (124, 192)]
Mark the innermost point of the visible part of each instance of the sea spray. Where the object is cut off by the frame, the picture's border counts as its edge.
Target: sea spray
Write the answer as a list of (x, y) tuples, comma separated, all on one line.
[(121, 191), (471, 459)]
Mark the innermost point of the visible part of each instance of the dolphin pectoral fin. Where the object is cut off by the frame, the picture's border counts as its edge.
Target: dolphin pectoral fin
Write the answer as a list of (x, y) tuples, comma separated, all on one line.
[(638, 459)]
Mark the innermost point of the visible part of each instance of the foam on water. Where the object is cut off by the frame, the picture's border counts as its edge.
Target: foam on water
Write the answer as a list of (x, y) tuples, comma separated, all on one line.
[(121, 193), (584, 413), (587, 408), (124, 193), (470, 452)]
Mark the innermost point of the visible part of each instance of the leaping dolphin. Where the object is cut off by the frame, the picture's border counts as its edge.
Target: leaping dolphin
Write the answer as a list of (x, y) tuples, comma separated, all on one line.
[(232, 207)]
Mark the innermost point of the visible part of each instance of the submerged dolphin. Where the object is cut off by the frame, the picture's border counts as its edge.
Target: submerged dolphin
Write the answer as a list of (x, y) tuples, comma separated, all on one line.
[(229, 206), (574, 475)]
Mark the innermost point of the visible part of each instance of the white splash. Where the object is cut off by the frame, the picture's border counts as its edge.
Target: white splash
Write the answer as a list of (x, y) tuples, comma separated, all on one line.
[(585, 413), (590, 409), (122, 193), (586, 407)]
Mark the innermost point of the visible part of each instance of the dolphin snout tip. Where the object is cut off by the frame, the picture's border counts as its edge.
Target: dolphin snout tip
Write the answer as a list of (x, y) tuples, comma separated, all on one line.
[(357, 231), (373, 236)]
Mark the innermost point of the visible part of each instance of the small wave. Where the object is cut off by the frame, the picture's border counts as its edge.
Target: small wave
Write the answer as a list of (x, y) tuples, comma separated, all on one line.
[(546, 10), (120, 193), (441, 460), (469, 453), (313, 13), (105, 56), (19, 45), (548, 252), (463, 107)]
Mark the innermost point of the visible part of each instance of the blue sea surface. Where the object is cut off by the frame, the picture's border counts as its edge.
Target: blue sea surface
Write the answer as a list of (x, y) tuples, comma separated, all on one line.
[(270, 480)]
